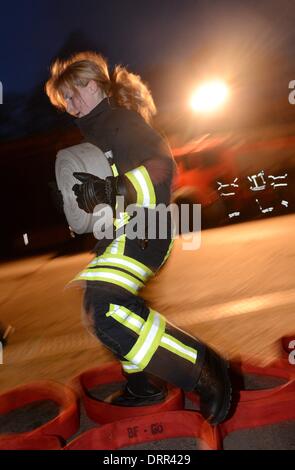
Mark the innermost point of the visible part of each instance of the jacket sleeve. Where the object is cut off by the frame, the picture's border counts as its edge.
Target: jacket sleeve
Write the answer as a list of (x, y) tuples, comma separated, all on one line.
[(146, 165)]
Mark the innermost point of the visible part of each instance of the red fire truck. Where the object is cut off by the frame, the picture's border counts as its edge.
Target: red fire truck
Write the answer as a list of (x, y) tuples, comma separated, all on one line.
[(236, 179)]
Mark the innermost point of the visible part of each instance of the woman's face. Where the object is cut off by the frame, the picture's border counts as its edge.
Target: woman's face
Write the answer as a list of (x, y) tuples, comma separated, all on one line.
[(84, 100)]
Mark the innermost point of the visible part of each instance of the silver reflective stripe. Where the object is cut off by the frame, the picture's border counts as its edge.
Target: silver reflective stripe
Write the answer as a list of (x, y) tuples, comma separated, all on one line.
[(127, 316), (178, 348), (120, 262), (109, 154), (140, 179), (145, 189), (137, 359), (114, 247), (131, 368), (106, 275)]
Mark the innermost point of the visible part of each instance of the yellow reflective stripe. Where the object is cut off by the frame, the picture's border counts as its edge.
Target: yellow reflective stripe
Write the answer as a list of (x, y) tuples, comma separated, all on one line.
[(168, 252), (137, 186), (108, 275), (126, 317), (105, 261), (129, 367), (137, 263), (129, 264), (134, 261), (148, 341), (143, 186), (179, 348), (122, 220), (114, 169), (116, 247)]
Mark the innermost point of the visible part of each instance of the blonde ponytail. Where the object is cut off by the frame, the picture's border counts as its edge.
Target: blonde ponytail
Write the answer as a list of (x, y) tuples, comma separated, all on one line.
[(130, 92)]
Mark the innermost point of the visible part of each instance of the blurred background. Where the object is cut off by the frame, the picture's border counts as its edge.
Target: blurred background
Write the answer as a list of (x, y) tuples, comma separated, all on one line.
[(247, 128), (221, 74)]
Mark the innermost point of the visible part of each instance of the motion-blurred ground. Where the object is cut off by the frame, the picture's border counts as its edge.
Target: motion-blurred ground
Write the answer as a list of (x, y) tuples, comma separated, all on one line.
[(236, 292)]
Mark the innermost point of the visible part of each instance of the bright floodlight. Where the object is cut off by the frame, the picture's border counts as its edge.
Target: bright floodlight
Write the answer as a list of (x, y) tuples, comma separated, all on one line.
[(210, 96)]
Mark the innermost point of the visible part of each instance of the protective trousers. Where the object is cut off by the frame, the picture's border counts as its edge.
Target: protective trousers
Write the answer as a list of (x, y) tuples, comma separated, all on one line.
[(137, 335)]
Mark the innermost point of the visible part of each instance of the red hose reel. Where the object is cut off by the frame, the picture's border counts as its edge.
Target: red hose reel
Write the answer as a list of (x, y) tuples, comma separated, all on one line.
[(148, 428), (102, 412), (50, 434), (128, 426)]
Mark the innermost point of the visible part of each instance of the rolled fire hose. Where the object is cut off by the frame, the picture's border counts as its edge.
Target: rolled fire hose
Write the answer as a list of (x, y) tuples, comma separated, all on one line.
[(80, 158), (47, 435)]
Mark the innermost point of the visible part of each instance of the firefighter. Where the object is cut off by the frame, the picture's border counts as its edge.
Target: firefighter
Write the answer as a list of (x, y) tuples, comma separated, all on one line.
[(114, 111)]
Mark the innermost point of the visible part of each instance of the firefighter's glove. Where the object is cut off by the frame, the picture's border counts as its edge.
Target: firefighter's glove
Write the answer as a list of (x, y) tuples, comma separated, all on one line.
[(94, 191)]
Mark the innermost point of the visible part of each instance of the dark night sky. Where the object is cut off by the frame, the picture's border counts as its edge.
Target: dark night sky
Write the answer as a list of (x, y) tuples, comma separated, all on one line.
[(134, 32), (171, 43)]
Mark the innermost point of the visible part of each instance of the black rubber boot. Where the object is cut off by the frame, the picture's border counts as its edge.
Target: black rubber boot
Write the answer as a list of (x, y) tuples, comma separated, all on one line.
[(138, 391), (152, 395), (214, 388)]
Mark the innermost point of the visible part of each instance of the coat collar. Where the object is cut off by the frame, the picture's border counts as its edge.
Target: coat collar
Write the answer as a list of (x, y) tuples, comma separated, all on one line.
[(105, 105)]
